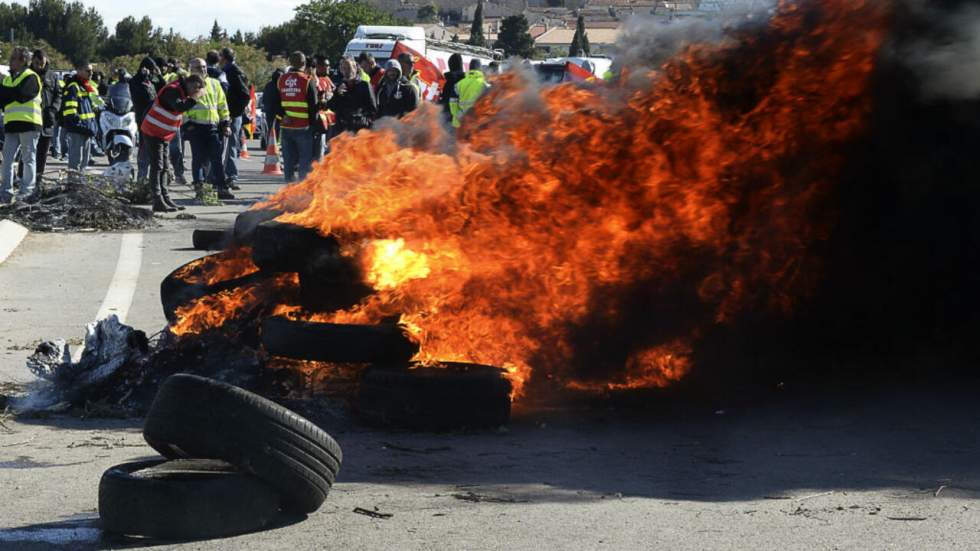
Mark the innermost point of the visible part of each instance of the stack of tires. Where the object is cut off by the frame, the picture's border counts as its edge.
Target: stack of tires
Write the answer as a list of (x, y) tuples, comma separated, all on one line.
[(233, 462)]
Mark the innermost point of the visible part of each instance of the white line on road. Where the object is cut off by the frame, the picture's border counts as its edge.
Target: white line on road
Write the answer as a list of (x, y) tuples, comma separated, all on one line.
[(119, 297), (11, 234)]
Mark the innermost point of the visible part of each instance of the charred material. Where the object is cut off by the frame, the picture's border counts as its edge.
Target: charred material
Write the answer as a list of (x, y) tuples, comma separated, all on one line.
[(333, 342), (71, 207), (247, 222), (278, 247), (176, 292), (211, 240)]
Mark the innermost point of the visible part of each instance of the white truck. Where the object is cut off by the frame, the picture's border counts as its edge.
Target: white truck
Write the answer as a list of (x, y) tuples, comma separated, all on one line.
[(379, 40)]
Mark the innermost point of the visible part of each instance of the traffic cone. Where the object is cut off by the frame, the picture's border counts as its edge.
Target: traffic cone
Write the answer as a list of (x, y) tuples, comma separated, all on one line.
[(272, 155), (244, 151)]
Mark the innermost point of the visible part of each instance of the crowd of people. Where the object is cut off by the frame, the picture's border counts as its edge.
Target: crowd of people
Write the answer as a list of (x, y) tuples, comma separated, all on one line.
[(305, 106)]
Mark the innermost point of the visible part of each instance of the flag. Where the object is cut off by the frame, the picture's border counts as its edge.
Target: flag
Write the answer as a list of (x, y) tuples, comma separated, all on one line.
[(431, 79), (575, 73)]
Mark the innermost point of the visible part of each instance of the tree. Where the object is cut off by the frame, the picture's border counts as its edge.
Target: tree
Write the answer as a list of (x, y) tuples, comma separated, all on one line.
[(72, 28), (133, 37), (514, 38), (476, 30), (238, 37), (13, 18), (217, 33), (580, 41), (428, 13)]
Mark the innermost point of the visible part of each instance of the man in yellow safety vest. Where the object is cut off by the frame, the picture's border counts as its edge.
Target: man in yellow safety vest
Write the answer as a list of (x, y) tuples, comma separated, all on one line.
[(468, 90), (207, 126), (23, 118)]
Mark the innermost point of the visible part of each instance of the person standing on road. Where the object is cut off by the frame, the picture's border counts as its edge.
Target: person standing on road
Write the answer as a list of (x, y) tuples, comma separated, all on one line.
[(213, 58), (448, 93), (79, 102), (396, 95), (270, 95), (207, 124), (238, 95), (160, 126), (468, 91), (353, 101), (50, 106), (407, 65), (296, 101), (143, 89), (325, 87), (371, 68), (23, 117)]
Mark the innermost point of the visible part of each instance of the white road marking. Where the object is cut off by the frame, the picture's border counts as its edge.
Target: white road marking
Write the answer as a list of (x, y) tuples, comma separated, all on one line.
[(11, 234), (119, 296)]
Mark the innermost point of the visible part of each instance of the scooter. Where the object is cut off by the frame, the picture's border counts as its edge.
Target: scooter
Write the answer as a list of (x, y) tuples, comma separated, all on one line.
[(118, 124)]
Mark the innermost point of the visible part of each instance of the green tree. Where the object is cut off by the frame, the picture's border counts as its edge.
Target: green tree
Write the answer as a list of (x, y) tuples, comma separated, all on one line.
[(13, 18), (217, 33), (476, 30), (580, 41), (70, 27), (514, 37), (238, 37), (428, 13), (133, 37)]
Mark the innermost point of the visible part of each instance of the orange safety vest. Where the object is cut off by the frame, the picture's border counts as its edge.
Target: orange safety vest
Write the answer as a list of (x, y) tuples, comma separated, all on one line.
[(159, 122), (293, 88)]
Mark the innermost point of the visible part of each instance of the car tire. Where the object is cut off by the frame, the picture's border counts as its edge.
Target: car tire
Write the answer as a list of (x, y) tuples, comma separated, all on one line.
[(337, 342), (184, 499), (448, 397), (194, 416), (210, 240)]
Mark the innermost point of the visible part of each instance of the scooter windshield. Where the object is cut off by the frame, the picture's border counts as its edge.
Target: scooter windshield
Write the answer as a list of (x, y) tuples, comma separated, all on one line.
[(120, 102)]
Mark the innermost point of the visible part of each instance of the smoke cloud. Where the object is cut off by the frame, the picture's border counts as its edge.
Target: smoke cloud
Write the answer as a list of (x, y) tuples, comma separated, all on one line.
[(946, 60)]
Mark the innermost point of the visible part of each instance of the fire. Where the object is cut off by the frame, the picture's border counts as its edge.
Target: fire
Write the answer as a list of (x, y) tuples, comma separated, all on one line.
[(215, 310), (223, 266), (587, 234)]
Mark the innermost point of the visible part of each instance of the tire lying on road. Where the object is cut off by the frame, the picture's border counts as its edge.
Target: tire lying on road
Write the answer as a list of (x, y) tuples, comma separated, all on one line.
[(184, 499), (210, 240), (337, 342), (450, 396), (194, 416)]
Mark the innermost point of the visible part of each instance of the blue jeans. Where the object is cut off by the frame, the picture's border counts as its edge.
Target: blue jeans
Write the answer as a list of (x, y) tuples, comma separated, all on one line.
[(27, 143), (56, 132), (297, 152), (206, 155), (233, 145), (79, 151), (177, 155), (142, 160)]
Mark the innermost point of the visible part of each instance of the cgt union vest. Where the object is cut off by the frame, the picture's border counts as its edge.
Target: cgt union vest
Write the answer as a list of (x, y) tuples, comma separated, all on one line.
[(159, 122), (293, 90)]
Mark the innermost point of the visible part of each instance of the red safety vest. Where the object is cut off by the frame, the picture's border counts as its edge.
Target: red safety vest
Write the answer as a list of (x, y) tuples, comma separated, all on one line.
[(324, 85), (159, 122), (293, 89)]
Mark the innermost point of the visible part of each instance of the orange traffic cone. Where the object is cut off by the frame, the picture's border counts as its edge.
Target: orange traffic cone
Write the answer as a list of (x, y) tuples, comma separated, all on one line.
[(244, 151), (272, 155)]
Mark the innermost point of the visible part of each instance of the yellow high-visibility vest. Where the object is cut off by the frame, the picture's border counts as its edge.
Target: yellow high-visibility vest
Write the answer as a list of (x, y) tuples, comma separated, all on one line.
[(28, 111)]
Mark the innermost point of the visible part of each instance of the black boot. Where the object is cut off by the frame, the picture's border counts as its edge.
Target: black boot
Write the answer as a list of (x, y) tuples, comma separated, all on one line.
[(159, 205), (165, 197)]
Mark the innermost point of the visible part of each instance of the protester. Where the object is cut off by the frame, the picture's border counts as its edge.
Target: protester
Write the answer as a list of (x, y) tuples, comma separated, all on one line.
[(407, 64), (371, 68), (295, 100), (50, 105), (143, 89), (207, 124), (238, 95), (353, 101), (23, 118), (160, 127), (79, 102), (448, 94), (468, 91), (325, 89), (270, 95), (62, 135), (396, 95)]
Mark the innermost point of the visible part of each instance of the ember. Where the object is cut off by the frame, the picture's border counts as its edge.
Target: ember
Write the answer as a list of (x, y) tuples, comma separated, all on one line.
[(589, 240)]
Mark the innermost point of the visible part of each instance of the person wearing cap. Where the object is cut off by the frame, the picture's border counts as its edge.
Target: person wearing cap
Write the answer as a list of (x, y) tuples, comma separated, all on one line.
[(50, 105), (468, 90), (396, 95), (296, 101), (371, 68), (23, 118), (407, 63), (207, 125)]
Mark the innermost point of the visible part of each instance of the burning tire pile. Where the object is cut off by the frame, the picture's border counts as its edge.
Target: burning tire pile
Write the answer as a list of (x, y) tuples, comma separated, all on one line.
[(234, 461), (393, 390)]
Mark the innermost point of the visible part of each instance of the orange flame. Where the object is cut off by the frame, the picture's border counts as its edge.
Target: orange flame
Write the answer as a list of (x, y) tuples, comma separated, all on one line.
[(593, 238)]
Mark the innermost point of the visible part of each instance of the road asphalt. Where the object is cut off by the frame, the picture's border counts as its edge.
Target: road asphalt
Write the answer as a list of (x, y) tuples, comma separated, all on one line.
[(869, 467)]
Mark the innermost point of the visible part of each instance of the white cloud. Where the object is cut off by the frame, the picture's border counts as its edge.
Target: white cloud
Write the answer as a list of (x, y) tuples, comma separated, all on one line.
[(195, 17)]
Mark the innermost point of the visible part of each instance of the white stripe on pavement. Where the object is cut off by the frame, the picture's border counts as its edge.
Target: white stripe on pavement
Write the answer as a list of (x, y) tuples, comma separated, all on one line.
[(11, 234), (119, 297)]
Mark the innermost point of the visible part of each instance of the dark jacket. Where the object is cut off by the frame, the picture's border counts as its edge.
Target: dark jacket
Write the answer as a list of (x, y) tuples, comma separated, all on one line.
[(395, 99), (143, 89), (78, 107), (356, 109), (26, 91), (238, 92), (449, 89), (51, 100), (270, 96)]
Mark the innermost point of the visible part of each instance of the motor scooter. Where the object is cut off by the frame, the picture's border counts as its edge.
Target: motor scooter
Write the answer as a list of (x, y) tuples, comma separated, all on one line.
[(118, 124)]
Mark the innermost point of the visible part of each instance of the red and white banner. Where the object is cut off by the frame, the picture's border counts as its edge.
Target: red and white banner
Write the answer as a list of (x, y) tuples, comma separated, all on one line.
[(576, 73), (431, 79)]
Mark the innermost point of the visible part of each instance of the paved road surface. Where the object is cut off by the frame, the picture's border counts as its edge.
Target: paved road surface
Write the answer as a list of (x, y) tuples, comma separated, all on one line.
[(892, 468)]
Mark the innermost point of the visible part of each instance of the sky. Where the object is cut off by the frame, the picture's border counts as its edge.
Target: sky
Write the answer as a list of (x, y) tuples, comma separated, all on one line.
[(195, 17)]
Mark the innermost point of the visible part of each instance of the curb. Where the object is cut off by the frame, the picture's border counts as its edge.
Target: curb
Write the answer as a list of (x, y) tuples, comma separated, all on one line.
[(11, 234)]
